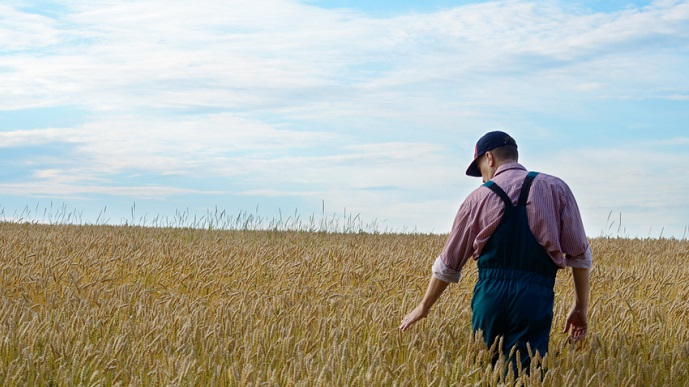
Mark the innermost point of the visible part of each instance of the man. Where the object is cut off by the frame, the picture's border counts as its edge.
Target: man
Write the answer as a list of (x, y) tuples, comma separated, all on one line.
[(521, 227)]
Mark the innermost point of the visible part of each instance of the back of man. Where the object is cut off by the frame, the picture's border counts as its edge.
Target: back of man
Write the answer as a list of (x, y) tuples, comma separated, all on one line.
[(550, 205), (513, 297), (520, 227)]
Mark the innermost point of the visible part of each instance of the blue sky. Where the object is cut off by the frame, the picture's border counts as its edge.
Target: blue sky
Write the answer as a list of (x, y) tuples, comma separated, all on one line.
[(368, 107)]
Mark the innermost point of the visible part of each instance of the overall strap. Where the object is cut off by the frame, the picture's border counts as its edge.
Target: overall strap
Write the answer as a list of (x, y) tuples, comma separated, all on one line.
[(495, 188), (526, 186)]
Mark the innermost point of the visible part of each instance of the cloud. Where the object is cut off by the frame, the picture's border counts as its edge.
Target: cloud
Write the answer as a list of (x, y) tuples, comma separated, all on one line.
[(217, 147), (352, 167), (64, 190), (20, 138), (282, 55), (279, 193), (21, 31), (205, 145)]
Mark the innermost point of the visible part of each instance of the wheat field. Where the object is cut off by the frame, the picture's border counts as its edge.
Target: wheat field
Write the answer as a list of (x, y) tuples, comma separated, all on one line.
[(144, 306)]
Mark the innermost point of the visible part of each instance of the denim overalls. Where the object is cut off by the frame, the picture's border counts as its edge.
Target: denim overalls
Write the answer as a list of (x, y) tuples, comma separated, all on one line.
[(513, 297)]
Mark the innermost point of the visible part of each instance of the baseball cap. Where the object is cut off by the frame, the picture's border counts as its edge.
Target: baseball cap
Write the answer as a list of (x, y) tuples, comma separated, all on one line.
[(489, 141)]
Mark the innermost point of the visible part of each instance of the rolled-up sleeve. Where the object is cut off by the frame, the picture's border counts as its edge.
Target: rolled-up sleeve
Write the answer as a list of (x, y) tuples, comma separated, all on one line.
[(444, 273), (572, 235), (583, 261)]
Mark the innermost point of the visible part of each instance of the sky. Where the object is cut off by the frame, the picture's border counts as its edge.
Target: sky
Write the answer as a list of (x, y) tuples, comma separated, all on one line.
[(126, 110)]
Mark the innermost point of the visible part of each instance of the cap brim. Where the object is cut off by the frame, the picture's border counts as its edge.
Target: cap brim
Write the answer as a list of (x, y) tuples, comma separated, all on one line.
[(473, 169)]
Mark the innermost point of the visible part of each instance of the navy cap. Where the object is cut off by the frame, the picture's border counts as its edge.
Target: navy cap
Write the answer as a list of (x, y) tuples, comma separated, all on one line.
[(489, 141)]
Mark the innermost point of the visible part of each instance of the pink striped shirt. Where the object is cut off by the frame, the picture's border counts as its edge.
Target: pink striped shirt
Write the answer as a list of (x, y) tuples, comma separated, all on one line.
[(553, 214)]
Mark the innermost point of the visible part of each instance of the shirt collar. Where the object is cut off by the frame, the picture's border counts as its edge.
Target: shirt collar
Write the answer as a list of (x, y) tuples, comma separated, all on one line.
[(509, 166)]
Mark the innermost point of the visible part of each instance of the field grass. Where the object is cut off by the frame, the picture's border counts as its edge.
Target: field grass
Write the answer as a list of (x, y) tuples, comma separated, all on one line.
[(124, 305)]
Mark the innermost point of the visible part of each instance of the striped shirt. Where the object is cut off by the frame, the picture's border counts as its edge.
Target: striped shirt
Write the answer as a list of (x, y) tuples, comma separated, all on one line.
[(554, 220)]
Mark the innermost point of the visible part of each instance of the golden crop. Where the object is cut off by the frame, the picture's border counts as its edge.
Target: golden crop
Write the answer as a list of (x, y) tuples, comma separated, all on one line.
[(106, 305)]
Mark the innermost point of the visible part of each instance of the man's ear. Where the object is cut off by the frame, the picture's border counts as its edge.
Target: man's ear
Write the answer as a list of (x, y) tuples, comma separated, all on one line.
[(491, 159)]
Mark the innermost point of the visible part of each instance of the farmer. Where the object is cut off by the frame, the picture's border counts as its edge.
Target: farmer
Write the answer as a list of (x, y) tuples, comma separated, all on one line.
[(521, 227)]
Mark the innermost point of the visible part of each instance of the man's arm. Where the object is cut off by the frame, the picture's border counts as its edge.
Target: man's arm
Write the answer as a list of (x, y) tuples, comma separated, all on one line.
[(577, 318), (435, 288)]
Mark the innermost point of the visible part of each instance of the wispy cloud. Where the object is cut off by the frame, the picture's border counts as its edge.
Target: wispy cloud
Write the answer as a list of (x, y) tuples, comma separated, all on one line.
[(64, 191), (282, 55)]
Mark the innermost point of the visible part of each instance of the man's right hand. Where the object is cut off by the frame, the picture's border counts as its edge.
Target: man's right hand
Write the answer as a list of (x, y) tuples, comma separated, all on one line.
[(415, 315), (435, 288)]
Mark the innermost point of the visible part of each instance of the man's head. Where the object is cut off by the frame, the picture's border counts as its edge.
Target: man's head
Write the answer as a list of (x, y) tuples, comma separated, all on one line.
[(492, 150)]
